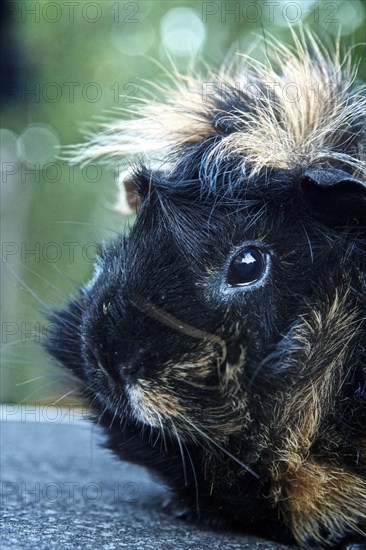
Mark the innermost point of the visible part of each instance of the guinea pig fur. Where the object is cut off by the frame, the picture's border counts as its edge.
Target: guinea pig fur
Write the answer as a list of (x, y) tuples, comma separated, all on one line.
[(222, 342)]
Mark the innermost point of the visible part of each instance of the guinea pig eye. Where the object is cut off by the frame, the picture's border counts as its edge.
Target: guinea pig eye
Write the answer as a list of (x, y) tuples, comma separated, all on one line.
[(247, 267)]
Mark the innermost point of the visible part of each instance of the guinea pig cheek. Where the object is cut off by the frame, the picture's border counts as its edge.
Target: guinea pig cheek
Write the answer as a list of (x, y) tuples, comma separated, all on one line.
[(153, 406)]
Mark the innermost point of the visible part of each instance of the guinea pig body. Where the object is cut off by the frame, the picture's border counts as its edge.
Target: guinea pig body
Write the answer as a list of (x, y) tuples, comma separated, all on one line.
[(223, 341)]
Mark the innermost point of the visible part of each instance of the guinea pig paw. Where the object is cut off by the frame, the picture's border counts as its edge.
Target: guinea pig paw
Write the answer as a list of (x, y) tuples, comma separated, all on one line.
[(179, 510), (185, 512)]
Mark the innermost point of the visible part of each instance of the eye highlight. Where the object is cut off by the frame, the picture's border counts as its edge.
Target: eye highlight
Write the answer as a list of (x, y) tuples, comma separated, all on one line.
[(247, 267)]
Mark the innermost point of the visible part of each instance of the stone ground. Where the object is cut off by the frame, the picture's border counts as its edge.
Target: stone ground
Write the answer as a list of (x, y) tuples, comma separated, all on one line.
[(60, 489)]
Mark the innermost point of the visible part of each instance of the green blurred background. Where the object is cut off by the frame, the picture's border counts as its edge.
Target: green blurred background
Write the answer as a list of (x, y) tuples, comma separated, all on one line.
[(66, 64)]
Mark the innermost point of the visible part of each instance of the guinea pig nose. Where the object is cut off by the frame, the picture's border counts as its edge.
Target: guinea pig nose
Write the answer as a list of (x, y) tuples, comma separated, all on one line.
[(134, 364)]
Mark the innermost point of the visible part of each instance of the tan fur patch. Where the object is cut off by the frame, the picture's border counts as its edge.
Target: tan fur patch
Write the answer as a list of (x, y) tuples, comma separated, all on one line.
[(194, 372), (298, 114), (232, 377), (153, 406), (315, 495), (324, 337)]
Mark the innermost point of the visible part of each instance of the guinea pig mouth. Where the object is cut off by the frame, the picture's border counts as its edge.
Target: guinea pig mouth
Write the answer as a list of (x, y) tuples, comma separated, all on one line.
[(157, 408), (152, 406)]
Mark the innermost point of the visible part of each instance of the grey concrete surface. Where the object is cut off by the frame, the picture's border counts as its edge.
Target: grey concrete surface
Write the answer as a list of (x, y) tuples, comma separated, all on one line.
[(61, 489)]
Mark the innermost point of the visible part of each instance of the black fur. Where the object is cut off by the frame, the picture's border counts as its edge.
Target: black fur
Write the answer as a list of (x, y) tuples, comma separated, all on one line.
[(222, 439)]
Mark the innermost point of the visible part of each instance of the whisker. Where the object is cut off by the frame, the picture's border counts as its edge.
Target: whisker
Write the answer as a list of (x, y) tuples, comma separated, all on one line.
[(182, 455), (225, 451), (31, 380), (195, 483), (74, 390), (45, 306), (43, 279), (40, 389)]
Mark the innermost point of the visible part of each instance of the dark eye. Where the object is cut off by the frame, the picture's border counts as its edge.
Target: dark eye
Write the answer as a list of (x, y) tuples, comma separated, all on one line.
[(247, 267)]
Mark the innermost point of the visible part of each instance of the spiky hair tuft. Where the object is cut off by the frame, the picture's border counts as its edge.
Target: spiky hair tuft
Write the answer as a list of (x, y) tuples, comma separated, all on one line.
[(301, 107)]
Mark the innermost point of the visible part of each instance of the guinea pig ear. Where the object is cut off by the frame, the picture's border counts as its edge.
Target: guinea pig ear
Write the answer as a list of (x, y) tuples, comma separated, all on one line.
[(335, 194), (128, 198), (136, 184)]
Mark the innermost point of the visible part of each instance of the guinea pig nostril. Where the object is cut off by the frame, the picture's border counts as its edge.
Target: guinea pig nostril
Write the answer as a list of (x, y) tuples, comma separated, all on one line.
[(131, 368), (134, 363)]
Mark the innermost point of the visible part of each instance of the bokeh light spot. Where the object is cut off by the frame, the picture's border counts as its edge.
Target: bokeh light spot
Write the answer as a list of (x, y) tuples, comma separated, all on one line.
[(182, 32), (8, 146), (38, 143)]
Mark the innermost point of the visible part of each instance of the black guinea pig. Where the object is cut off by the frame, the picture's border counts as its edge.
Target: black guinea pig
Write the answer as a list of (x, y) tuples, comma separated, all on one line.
[(222, 342)]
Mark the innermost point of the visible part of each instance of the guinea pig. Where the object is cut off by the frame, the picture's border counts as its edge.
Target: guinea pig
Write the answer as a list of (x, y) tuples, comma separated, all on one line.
[(222, 341)]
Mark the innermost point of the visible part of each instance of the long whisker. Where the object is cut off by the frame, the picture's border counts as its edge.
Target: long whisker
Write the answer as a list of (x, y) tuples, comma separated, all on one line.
[(74, 390), (225, 451), (43, 376), (195, 482), (181, 454), (23, 283)]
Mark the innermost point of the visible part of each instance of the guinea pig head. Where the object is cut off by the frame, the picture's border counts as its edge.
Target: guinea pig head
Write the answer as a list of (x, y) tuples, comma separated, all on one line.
[(218, 302)]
